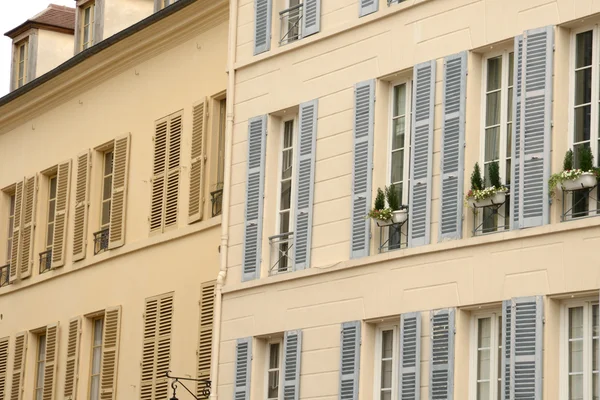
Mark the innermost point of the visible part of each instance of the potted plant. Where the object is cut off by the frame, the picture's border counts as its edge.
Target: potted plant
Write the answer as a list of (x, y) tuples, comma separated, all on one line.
[(575, 178), (399, 212), (381, 214), (480, 196)]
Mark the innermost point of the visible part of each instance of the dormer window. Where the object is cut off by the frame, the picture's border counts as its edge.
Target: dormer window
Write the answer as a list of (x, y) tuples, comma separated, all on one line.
[(88, 14), (22, 55)]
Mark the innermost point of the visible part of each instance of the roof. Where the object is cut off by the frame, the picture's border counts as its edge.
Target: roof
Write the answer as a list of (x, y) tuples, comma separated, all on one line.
[(54, 17)]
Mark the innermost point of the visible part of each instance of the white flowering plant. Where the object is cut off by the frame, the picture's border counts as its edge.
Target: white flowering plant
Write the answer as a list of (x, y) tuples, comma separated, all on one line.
[(384, 214), (568, 175), (485, 193), (586, 164)]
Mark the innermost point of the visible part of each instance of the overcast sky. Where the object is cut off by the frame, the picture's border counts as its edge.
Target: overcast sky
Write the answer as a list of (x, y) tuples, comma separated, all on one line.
[(13, 14)]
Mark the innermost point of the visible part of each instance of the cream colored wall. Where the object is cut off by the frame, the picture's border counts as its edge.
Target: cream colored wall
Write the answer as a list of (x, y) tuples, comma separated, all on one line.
[(54, 48), (120, 14)]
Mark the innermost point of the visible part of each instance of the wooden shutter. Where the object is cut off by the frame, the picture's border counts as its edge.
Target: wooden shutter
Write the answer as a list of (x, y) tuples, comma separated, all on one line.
[(207, 310), (536, 120), (421, 154), (15, 272), (526, 350), (441, 368), (453, 146), (157, 206), (82, 201), (255, 185), (173, 171), (364, 104), (98, 21), (51, 359), (63, 188), (110, 353), (349, 360), (305, 178), (515, 179), (410, 356), (28, 226), (292, 354), (243, 368), (72, 366), (4, 342), (262, 26), (196, 206), (506, 345), (18, 372), (118, 205), (311, 21), (367, 7)]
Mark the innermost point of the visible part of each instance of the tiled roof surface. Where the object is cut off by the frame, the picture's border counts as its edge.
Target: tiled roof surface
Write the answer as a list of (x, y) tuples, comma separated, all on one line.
[(54, 16)]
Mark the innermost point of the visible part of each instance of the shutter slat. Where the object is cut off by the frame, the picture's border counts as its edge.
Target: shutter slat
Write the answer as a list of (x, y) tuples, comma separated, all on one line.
[(4, 343), (441, 368), (410, 356), (367, 7), (350, 341), (515, 180), (207, 305), (118, 205), (292, 355), (63, 188), (196, 205), (262, 26), (110, 353), (18, 372), (26, 244), (51, 357), (82, 200), (506, 345), (15, 247), (243, 369), (311, 21), (72, 365)]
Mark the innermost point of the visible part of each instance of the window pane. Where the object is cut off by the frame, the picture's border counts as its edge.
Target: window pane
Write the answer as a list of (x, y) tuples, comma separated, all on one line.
[(576, 356), (105, 213), (387, 343), (492, 144), (51, 210), (50, 235), (509, 106), (107, 190), (286, 167), (511, 69), (483, 365), (583, 86), (483, 391), (273, 384), (284, 222), (494, 73), (386, 374), (98, 331), (286, 195), (596, 320), (95, 388), (108, 163), (576, 387), (575, 322), (96, 357), (274, 355), (582, 123), (399, 100), (484, 326), (596, 395), (12, 205), (397, 166), (53, 188), (492, 109), (386, 395), (398, 134), (583, 50), (289, 134)]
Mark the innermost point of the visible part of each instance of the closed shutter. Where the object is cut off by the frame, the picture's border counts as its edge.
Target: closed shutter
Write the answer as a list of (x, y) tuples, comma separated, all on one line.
[(364, 105), (72, 366), (453, 146), (349, 360), (257, 135), (4, 342), (50, 358), (243, 368), (196, 206), (262, 26), (410, 356), (28, 226), (421, 154), (311, 22), (367, 7), (82, 200), (207, 311), (18, 372), (98, 21), (526, 350), (292, 354), (118, 204), (515, 180), (305, 178), (441, 369), (173, 172), (63, 188), (506, 345), (16, 242), (157, 205), (110, 353)]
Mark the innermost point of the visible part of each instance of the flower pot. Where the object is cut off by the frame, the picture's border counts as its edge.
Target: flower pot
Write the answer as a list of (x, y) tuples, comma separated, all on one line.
[(381, 223), (399, 216), (498, 198), (586, 180)]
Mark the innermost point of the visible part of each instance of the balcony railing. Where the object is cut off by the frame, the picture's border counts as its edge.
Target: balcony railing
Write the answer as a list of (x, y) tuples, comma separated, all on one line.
[(45, 261), (216, 198), (580, 203), (281, 253), (393, 237), (5, 275), (492, 218), (291, 24), (101, 241)]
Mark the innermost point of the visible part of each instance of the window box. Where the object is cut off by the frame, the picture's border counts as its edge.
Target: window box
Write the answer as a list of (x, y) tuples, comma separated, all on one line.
[(399, 216), (585, 181), (495, 199)]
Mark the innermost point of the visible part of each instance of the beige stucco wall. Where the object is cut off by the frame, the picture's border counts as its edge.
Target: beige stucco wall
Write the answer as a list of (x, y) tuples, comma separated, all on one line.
[(120, 14), (53, 49)]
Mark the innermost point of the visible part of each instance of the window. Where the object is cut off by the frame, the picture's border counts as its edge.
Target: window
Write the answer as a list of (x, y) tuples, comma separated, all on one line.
[(486, 354), (385, 363), (88, 14), (107, 175), (22, 56), (291, 22), (40, 365), (217, 193), (11, 219), (98, 325), (273, 369), (46, 256)]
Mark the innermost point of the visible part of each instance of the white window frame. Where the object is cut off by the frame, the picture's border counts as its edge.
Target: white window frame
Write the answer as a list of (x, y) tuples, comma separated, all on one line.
[(40, 364), (495, 343), (395, 359), (49, 200), (21, 80), (12, 203), (91, 39), (92, 347), (407, 145), (279, 170), (103, 188), (279, 341)]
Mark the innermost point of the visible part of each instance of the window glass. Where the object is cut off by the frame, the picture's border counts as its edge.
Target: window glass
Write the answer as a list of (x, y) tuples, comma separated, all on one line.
[(11, 219), (51, 212), (40, 365), (484, 337), (273, 371), (106, 189), (96, 358), (387, 351)]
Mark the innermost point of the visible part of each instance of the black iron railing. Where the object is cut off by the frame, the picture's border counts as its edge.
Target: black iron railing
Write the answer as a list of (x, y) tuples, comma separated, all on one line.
[(5, 275), (216, 198), (45, 261), (580, 203), (101, 241)]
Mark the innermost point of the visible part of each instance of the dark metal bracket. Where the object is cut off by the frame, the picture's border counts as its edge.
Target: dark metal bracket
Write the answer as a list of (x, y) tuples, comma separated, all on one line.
[(204, 384)]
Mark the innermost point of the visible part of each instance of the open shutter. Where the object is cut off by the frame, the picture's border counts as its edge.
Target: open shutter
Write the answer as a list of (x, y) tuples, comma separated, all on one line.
[(4, 342), (207, 311), (362, 167), (292, 354), (118, 204), (526, 350), (262, 26), (421, 154), (349, 360), (110, 353), (72, 366), (515, 179), (453, 146), (257, 135), (16, 242), (311, 21), (98, 21), (157, 205), (63, 188), (173, 172), (163, 346), (148, 349), (196, 206), (410, 356), (82, 201), (367, 7), (305, 178), (441, 369), (28, 226), (18, 372), (536, 122), (506, 345), (243, 368), (51, 359)]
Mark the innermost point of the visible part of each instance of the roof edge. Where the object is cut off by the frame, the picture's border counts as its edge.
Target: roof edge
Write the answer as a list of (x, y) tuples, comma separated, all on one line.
[(25, 26)]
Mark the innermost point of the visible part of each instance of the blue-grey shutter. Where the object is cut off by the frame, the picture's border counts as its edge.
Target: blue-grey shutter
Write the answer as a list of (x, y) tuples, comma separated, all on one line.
[(421, 154), (453, 146), (410, 356), (257, 133), (441, 368), (506, 324), (367, 7), (526, 350), (515, 179), (311, 21), (243, 368), (364, 104), (305, 178), (262, 26), (349, 360), (292, 352), (536, 120)]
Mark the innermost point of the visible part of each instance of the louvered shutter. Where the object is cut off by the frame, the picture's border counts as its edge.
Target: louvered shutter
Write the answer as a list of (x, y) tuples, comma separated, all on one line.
[(98, 21), (207, 310), (196, 206), (453, 146), (82, 202), (421, 154), (63, 188), (157, 206), (72, 366), (292, 355), (118, 205), (173, 172), (16, 242), (4, 342), (18, 372), (441, 369), (257, 135), (362, 167), (367, 7), (50, 365), (506, 345), (148, 349), (243, 368), (349, 360), (515, 179), (28, 230), (305, 178), (110, 353), (311, 21), (526, 350), (410, 356), (262, 26)]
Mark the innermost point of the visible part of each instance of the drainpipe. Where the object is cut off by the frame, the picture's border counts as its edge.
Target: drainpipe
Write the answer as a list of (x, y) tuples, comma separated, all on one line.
[(216, 339)]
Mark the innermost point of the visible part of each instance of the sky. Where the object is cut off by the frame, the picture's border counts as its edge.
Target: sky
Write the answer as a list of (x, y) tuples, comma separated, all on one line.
[(13, 14)]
